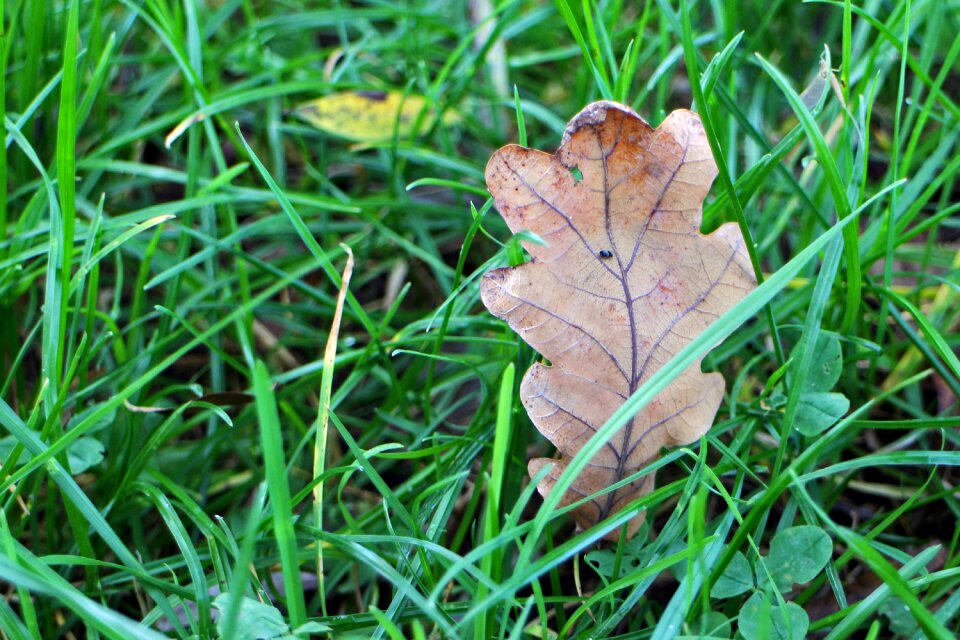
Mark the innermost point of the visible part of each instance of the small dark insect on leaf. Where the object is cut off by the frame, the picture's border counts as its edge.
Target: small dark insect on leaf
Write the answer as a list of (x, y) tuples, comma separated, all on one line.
[(605, 254), (379, 96)]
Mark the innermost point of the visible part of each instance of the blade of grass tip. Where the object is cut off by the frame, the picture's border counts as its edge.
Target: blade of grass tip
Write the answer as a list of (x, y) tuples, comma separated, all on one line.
[(891, 239), (866, 115), (90, 247), (521, 125), (519, 625), (811, 331), (390, 498), (54, 429), (273, 460), (52, 299), (847, 47), (592, 39), (599, 73), (447, 184), (697, 535), (622, 84), (629, 69), (187, 549), (34, 105), (718, 64), (323, 417), (67, 170), (388, 625), (606, 43), (447, 306), (920, 130), (492, 563), (94, 261), (882, 29), (27, 609), (719, 330), (851, 250), (92, 91), (31, 70), (241, 569), (693, 73)]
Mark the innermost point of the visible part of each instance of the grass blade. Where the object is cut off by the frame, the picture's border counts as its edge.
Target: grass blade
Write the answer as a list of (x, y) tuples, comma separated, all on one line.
[(275, 466)]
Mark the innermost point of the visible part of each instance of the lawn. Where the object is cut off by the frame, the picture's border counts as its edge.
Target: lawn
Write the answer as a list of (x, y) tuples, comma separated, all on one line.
[(248, 387)]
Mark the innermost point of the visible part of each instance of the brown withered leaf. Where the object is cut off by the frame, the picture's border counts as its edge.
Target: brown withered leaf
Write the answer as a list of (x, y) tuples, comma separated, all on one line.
[(625, 281)]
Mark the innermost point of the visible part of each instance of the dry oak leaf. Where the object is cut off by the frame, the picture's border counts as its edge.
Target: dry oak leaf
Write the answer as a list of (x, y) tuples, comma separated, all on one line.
[(624, 281)]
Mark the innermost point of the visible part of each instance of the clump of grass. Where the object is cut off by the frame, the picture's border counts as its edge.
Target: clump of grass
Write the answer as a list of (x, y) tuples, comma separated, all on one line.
[(164, 311)]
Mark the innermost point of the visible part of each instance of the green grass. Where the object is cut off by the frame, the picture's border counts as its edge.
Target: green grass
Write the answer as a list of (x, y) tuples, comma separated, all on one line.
[(170, 306)]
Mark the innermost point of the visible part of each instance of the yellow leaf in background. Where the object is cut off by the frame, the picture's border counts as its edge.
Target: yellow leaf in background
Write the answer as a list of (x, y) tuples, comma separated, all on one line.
[(370, 116)]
